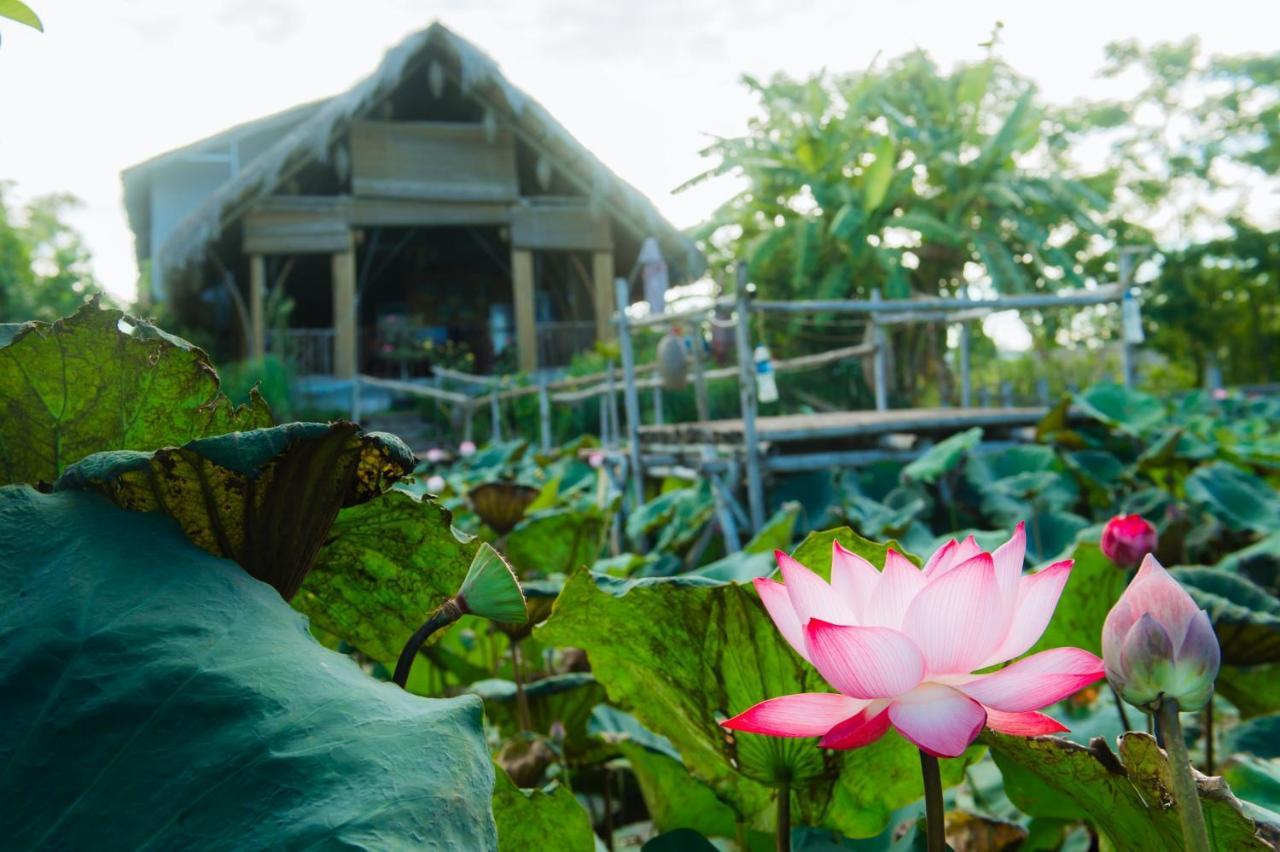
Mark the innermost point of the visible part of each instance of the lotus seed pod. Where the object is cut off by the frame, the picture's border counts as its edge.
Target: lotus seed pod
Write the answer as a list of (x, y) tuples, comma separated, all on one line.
[(1157, 644), (490, 589)]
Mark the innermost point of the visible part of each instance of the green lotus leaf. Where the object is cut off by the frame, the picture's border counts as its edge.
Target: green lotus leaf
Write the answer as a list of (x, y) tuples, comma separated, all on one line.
[(549, 819), (384, 567), (1239, 499), (1092, 589), (501, 505), (157, 697), (683, 654), (558, 540), (942, 457), (1121, 408), (1129, 796), (265, 498), (100, 380)]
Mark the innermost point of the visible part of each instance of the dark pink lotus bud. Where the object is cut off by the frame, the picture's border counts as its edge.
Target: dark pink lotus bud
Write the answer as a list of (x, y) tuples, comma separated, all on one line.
[(1126, 539), (1157, 644)]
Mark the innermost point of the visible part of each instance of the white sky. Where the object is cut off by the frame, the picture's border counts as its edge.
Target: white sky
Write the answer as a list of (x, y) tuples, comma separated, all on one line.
[(113, 82)]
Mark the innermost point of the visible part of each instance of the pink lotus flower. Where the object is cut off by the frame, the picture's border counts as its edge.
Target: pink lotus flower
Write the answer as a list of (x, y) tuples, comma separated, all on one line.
[(467, 448), (435, 455), (901, 647), (1158, 644), (1128, 538), (596, 459), (436, 484)]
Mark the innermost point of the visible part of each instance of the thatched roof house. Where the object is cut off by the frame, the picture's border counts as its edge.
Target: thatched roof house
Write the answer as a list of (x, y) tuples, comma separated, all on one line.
[(434, 198)]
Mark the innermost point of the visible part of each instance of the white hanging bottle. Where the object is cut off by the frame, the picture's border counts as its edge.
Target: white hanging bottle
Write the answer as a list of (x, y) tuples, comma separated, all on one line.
[(766, 384)]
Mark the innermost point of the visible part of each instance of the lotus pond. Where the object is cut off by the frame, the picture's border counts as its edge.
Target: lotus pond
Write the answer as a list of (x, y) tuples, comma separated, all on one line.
[(206, 618)]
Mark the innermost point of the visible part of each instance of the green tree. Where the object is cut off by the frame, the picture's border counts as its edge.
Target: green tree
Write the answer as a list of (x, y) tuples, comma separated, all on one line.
[(45, 267), (908, 179)]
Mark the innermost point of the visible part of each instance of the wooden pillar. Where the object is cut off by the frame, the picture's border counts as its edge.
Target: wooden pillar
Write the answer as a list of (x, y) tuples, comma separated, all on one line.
[(881, 358), (602, 283), (632, 400), (526, 322), (747, 397), (966, 379), (257, 307), (544, 413), (344, 313)]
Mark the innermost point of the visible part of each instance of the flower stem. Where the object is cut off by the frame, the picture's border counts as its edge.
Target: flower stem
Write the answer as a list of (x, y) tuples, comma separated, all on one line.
[(934, 813), (1124, 716), (447, 614), (1208, 738), (784, 817), (1195, 837)]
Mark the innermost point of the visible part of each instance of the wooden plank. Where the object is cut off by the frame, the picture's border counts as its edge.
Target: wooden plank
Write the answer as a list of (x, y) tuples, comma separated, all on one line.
[(407, 212), (559, 225), (842, 424), (751, 437), (344, 313), (1102, 295), (257, 307), (602, 293), (433, 160), (303, 225), (522, 295)]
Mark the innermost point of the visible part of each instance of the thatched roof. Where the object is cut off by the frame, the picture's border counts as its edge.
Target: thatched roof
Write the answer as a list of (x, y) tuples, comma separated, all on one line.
[(313, 137)]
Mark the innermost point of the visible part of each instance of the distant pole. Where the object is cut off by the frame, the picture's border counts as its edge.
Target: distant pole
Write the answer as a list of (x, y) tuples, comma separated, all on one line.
[(544, 413), (1042, 390), (1006, 394), (747, 395), (468, 424), (495, 417), (611, 384), (657, 404), (1128, 359), (966, 380), (355, 398), (699, 376), (881, 358), (631, 394)]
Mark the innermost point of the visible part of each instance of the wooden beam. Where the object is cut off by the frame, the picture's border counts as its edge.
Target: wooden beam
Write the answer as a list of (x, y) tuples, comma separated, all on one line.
[(344, 313), (438, 161), (526, 322), (297, 225), (559, 225), (257, 307), (602, 293), (405, 212)]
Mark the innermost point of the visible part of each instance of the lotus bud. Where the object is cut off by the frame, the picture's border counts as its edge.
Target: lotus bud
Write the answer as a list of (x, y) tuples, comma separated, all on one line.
[(1157, 644), (1128, 538), (435, 455), (435, 484), (467, 448), (596, 459)]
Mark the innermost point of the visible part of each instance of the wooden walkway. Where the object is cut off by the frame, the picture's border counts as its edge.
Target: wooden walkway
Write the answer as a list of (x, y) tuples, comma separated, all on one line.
[(841, 426)]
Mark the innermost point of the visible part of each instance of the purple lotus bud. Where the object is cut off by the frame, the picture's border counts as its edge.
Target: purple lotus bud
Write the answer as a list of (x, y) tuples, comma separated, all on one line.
[(436, 484), (1128, 538), (1157, 644)]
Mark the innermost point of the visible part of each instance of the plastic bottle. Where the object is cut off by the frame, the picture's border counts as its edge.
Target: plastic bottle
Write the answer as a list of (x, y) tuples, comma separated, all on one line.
[(766, 383)]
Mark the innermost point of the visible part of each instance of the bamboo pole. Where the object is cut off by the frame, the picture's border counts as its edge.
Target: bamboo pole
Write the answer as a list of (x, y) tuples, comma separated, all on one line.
[(544, 414), (747, 397), (878, 337), (631, 395)]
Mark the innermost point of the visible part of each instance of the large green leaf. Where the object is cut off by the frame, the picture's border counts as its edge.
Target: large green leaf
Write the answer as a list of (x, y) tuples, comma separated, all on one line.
[(1245, 617), (384, 567), (1124, 409), (550, 819), (16, 10), (1239, 499), (100, 380), (673, 797), (942, 457), (557, 540), (683, 655), (1129, 797), (157, 697), (264, 498)]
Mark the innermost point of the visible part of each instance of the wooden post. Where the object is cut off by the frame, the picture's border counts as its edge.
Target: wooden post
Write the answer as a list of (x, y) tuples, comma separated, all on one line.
[(881, 359), (966, 380), (468, 428), (602, 293), (657, 404), (631, 395), (355, 398), (495, 417), (699, 375), (1006, 394), (724, 511), (1042, 391), (344, 313), (747, 395), (526, 322), (611, 384), (544, 413), (257, 307)]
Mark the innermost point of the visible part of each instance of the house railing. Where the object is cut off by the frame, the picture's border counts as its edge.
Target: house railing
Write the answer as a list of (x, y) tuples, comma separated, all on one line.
[(307, 351), (558, 342)]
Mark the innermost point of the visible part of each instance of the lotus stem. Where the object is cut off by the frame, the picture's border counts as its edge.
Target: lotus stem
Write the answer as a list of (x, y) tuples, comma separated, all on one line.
[(934, 812), (1195, 836), (1208, 738), (784, 817), (608, 812), (522, 700), (1124, 715), (447, 614)]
